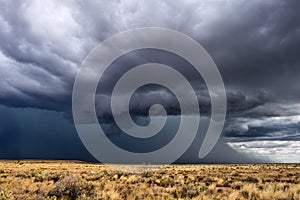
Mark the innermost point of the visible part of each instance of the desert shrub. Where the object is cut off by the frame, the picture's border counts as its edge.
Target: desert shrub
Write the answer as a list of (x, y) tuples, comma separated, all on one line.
[(3, 175), (245, 194), (203, 188), (20, 162), (209, 179), (186, 192), (235, 173), (226, 184), (47, 176), (72, 187), (251, 179), (236, 186), (147, 174), (120, 173), (165, 182), (97, 176), (4, 195), (22, 175), (28, 174)]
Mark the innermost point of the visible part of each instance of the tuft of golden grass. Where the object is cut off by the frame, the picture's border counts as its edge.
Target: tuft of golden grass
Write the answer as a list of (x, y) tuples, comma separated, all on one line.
[(78, 180)]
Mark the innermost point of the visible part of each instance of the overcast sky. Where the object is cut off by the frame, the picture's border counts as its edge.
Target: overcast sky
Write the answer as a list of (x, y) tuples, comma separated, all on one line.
[(255, 45)]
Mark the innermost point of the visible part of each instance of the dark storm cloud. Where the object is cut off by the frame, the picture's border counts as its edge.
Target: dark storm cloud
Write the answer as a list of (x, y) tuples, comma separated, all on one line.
[(258, 47), (42, 44), (39, 55), (273, 127)]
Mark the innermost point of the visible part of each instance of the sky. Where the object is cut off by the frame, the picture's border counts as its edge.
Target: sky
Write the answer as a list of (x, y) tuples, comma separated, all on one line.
[(255, 45)]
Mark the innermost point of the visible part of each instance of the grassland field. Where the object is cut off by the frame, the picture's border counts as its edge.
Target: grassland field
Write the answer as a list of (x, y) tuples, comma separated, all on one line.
[(79, 180)]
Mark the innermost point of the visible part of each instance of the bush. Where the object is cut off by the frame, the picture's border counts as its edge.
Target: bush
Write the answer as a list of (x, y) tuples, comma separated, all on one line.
[(73, 187), (186, 192), (251, 179), (4, 195), (235, 173), (27, 174), (47, 176)]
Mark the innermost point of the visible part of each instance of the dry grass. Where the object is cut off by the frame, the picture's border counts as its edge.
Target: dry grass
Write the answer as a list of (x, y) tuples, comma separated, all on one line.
[(75, 180)]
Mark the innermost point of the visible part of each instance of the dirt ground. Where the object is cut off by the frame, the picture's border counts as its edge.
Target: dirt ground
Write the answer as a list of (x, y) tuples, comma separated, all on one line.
[(79, 180)]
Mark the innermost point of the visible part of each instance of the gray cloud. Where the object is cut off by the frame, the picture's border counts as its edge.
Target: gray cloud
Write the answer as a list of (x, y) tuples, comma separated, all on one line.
[(274, 151), (254, 44)]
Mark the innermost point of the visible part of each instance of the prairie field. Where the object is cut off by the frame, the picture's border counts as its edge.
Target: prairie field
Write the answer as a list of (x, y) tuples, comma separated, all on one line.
[(79, 180)]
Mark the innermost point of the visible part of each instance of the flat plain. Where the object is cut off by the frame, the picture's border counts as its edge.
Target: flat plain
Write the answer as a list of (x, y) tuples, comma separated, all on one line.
[(79, 180)]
